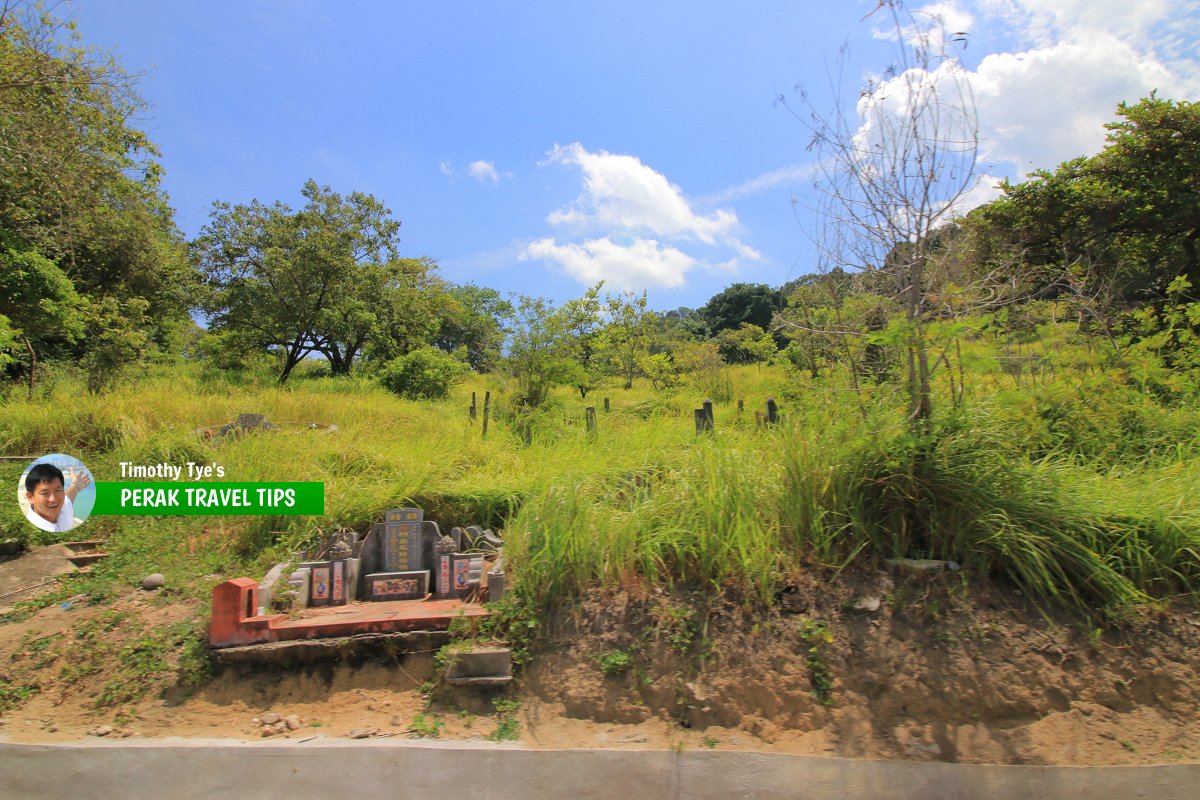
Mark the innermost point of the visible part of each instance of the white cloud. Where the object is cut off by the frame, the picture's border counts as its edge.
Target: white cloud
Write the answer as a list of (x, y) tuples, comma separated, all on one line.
[(1041, 107), (768, 180), (620, 192), (446, 169), (641, 264), (631, 224), (483, 171), (1046, 99)]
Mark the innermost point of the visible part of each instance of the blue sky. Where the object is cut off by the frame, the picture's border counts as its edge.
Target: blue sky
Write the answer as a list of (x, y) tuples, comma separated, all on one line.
[(537, 147)]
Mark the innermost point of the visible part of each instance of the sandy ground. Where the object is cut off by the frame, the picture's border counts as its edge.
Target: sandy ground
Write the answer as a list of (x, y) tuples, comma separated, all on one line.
[(975, 682)]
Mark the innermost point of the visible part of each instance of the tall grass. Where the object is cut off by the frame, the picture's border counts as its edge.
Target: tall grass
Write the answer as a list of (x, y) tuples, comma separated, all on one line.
[(1049, 488)]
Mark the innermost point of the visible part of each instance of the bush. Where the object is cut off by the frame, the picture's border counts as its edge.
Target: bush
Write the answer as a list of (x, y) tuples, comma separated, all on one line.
[(423, 374)]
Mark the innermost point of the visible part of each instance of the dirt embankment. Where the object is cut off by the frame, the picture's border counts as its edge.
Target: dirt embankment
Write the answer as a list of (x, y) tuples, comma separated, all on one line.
[(873, 665)]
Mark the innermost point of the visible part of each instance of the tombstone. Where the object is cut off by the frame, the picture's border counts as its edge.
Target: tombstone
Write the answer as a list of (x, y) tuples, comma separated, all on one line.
[(772, 411), (487, 402), (708, 412), (407, 585), (591, 419), (401, 545), (353, 579), (607, 408)]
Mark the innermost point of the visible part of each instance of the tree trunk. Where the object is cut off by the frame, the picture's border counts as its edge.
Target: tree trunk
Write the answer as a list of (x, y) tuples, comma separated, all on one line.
[(32, 365)]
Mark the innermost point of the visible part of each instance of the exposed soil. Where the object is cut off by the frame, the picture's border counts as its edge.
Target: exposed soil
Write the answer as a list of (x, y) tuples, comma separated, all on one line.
[(928, 675)]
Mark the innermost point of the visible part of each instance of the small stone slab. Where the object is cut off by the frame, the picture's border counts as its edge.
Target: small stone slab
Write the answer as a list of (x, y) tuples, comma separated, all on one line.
[(918, 566), (482, 662), (482, 680)]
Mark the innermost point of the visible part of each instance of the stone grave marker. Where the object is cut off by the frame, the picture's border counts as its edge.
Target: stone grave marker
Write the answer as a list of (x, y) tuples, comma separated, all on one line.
[(401, 550)]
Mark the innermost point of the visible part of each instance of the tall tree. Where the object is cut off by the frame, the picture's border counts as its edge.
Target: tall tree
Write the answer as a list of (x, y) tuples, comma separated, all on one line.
[(753, 303), (1123, 223), (627, 335), (474, 319), (40, 306), (895, 171), (79, 183), (300, 282), (545, 344)]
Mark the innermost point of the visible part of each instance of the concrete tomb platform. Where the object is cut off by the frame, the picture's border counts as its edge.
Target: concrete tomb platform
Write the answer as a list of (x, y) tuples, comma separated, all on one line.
[(235, 618)]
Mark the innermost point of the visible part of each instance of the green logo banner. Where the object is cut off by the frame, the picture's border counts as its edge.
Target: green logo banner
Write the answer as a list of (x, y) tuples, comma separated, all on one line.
[(163, 498)]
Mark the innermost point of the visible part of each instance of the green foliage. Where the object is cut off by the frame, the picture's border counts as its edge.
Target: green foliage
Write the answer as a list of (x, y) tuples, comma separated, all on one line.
[(508, 728), (474, 319), (615, 662), (79, 185), (427, 373), (425, 726), (325, 279), (739, 304), (748, 344), (626, 337), (815, 635), (1122, 221), (1164, 343), (550, 346)]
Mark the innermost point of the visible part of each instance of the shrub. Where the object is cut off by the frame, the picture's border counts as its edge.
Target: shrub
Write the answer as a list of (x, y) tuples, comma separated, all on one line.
[(423, 374)]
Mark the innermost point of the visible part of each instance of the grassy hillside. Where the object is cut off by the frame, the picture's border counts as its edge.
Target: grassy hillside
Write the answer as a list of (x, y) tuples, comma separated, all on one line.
[(1061, 477)]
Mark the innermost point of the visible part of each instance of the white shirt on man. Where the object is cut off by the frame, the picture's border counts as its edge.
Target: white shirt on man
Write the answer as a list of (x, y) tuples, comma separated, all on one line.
[(66, 518)]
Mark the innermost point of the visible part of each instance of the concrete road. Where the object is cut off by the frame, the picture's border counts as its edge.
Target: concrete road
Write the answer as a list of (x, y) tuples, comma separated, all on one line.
[(338, 769)]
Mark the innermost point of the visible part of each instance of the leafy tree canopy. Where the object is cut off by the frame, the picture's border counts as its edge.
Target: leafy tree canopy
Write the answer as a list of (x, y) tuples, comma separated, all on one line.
[(753, 303)]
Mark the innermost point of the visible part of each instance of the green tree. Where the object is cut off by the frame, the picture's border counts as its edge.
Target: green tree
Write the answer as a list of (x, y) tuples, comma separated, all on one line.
[(39, 305), (545, 344), (474, 319), (309, 281), (626, 337), (1121, 224), (749, 344), (424, 374), (753, 303), (78, 183)]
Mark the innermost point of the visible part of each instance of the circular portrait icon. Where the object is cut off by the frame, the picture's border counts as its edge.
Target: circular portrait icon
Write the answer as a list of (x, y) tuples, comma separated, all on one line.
[(56, 492)]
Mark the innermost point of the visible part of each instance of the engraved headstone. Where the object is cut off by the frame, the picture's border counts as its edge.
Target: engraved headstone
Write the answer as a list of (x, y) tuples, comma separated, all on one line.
[(401, 550)]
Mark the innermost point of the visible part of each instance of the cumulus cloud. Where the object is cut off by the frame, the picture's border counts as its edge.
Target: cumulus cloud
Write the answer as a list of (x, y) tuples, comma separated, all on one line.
[(1045, 100), (640, 264), (483, 171), (621, 192), (1048, 101), (637, 221)]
